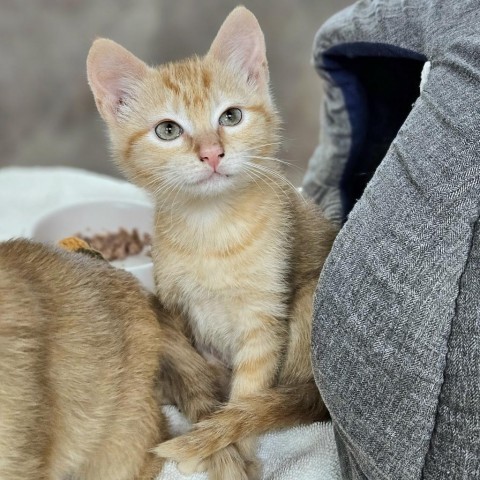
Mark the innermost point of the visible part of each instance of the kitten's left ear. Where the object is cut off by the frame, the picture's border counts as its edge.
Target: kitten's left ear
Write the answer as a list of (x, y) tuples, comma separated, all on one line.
[(114, 75), (240, 43)]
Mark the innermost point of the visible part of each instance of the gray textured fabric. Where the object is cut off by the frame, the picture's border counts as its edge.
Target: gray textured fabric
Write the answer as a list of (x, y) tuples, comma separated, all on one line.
[(396, 334), (326, 166), (457, 429)]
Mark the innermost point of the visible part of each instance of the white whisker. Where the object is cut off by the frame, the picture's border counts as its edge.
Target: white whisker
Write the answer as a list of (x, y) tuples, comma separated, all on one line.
[(261, 174), (168, 189), (172, 207), (252, 176), (280, 177), (283, 162)]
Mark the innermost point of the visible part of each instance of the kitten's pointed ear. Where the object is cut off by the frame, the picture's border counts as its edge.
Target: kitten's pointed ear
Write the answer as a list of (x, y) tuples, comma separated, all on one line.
[(241, 44), (113, 74)]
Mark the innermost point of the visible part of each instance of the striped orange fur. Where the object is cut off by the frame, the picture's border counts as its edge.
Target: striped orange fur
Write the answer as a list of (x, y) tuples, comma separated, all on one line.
[(235, 248), (87, 358)]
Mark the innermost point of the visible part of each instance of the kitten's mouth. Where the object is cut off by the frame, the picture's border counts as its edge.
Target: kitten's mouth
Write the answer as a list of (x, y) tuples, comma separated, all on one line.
[(214, 176)]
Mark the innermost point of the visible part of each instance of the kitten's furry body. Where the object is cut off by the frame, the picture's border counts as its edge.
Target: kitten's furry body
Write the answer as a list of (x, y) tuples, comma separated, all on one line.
[(86, 357), (235, 247)]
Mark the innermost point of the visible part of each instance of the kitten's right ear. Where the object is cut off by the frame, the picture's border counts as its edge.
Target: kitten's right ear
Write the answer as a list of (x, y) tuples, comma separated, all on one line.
[(241, 44), (113, 75)]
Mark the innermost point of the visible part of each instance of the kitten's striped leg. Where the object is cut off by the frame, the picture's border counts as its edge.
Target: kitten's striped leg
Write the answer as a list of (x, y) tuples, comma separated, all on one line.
[(255, 366), (255, 369)]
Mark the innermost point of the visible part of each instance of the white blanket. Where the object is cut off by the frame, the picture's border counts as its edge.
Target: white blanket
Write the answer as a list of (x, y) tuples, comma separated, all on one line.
[(300, 453)]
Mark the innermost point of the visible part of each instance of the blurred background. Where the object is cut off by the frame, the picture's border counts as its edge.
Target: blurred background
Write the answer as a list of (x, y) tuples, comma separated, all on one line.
[(47, 114)]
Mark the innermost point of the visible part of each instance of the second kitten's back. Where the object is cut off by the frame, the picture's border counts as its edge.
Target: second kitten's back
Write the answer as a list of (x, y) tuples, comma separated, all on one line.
[(75, 369)]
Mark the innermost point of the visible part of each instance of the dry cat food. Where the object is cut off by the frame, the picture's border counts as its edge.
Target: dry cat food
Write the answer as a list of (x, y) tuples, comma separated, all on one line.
[(119, 245)]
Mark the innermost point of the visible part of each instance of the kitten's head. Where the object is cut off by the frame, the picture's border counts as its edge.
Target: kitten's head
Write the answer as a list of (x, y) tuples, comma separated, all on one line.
[(195, 128)]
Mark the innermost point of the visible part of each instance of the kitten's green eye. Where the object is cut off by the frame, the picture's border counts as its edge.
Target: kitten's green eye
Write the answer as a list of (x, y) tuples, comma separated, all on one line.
[(168, 130), (230, 117)]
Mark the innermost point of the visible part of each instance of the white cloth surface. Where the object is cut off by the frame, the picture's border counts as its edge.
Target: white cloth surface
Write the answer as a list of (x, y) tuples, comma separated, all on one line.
[(307, 452), (26, 194)]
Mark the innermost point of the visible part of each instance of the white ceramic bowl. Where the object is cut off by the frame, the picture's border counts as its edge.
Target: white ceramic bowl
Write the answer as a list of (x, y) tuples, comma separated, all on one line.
[(98, 217)]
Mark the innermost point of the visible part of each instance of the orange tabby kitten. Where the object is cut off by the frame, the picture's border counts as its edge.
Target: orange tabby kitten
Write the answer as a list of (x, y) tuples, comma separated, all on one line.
[(86, 357), (235, 247)]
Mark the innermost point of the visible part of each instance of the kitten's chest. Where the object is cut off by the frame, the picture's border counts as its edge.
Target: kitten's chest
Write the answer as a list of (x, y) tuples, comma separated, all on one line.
[(222, 291), (219, 259), (208, 292), (214, 282)]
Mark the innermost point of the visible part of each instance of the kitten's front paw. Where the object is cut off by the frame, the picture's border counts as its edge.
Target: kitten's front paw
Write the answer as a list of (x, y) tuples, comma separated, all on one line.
[(222, 465), (227, 464), (247, 448), (253, 469), (234, 462), (192, 465)]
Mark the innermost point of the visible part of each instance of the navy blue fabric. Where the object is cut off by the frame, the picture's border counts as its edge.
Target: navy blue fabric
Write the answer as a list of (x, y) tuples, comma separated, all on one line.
[(380, 83)]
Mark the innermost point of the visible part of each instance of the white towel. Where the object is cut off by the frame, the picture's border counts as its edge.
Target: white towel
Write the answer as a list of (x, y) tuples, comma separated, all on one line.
[(300, 453)]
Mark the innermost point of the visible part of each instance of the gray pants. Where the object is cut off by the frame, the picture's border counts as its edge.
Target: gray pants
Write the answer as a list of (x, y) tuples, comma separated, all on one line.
[(396, 335)]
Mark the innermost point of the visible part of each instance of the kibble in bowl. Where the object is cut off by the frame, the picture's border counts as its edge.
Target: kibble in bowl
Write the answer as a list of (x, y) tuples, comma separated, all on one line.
[(119, 245), (120, 230)]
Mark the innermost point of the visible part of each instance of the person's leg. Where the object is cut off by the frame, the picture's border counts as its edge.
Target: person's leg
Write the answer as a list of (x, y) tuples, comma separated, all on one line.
[(393, 320), (455, 444)]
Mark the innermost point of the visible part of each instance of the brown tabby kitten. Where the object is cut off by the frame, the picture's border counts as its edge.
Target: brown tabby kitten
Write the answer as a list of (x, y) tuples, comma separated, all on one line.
[(86, 358), (235, 246)]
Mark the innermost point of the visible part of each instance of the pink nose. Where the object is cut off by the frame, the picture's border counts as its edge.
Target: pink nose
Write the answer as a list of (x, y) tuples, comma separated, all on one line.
[(212, 154)]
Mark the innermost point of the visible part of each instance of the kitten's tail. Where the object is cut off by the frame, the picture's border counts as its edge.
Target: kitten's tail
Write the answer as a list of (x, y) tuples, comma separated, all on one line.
[(278, 407)]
